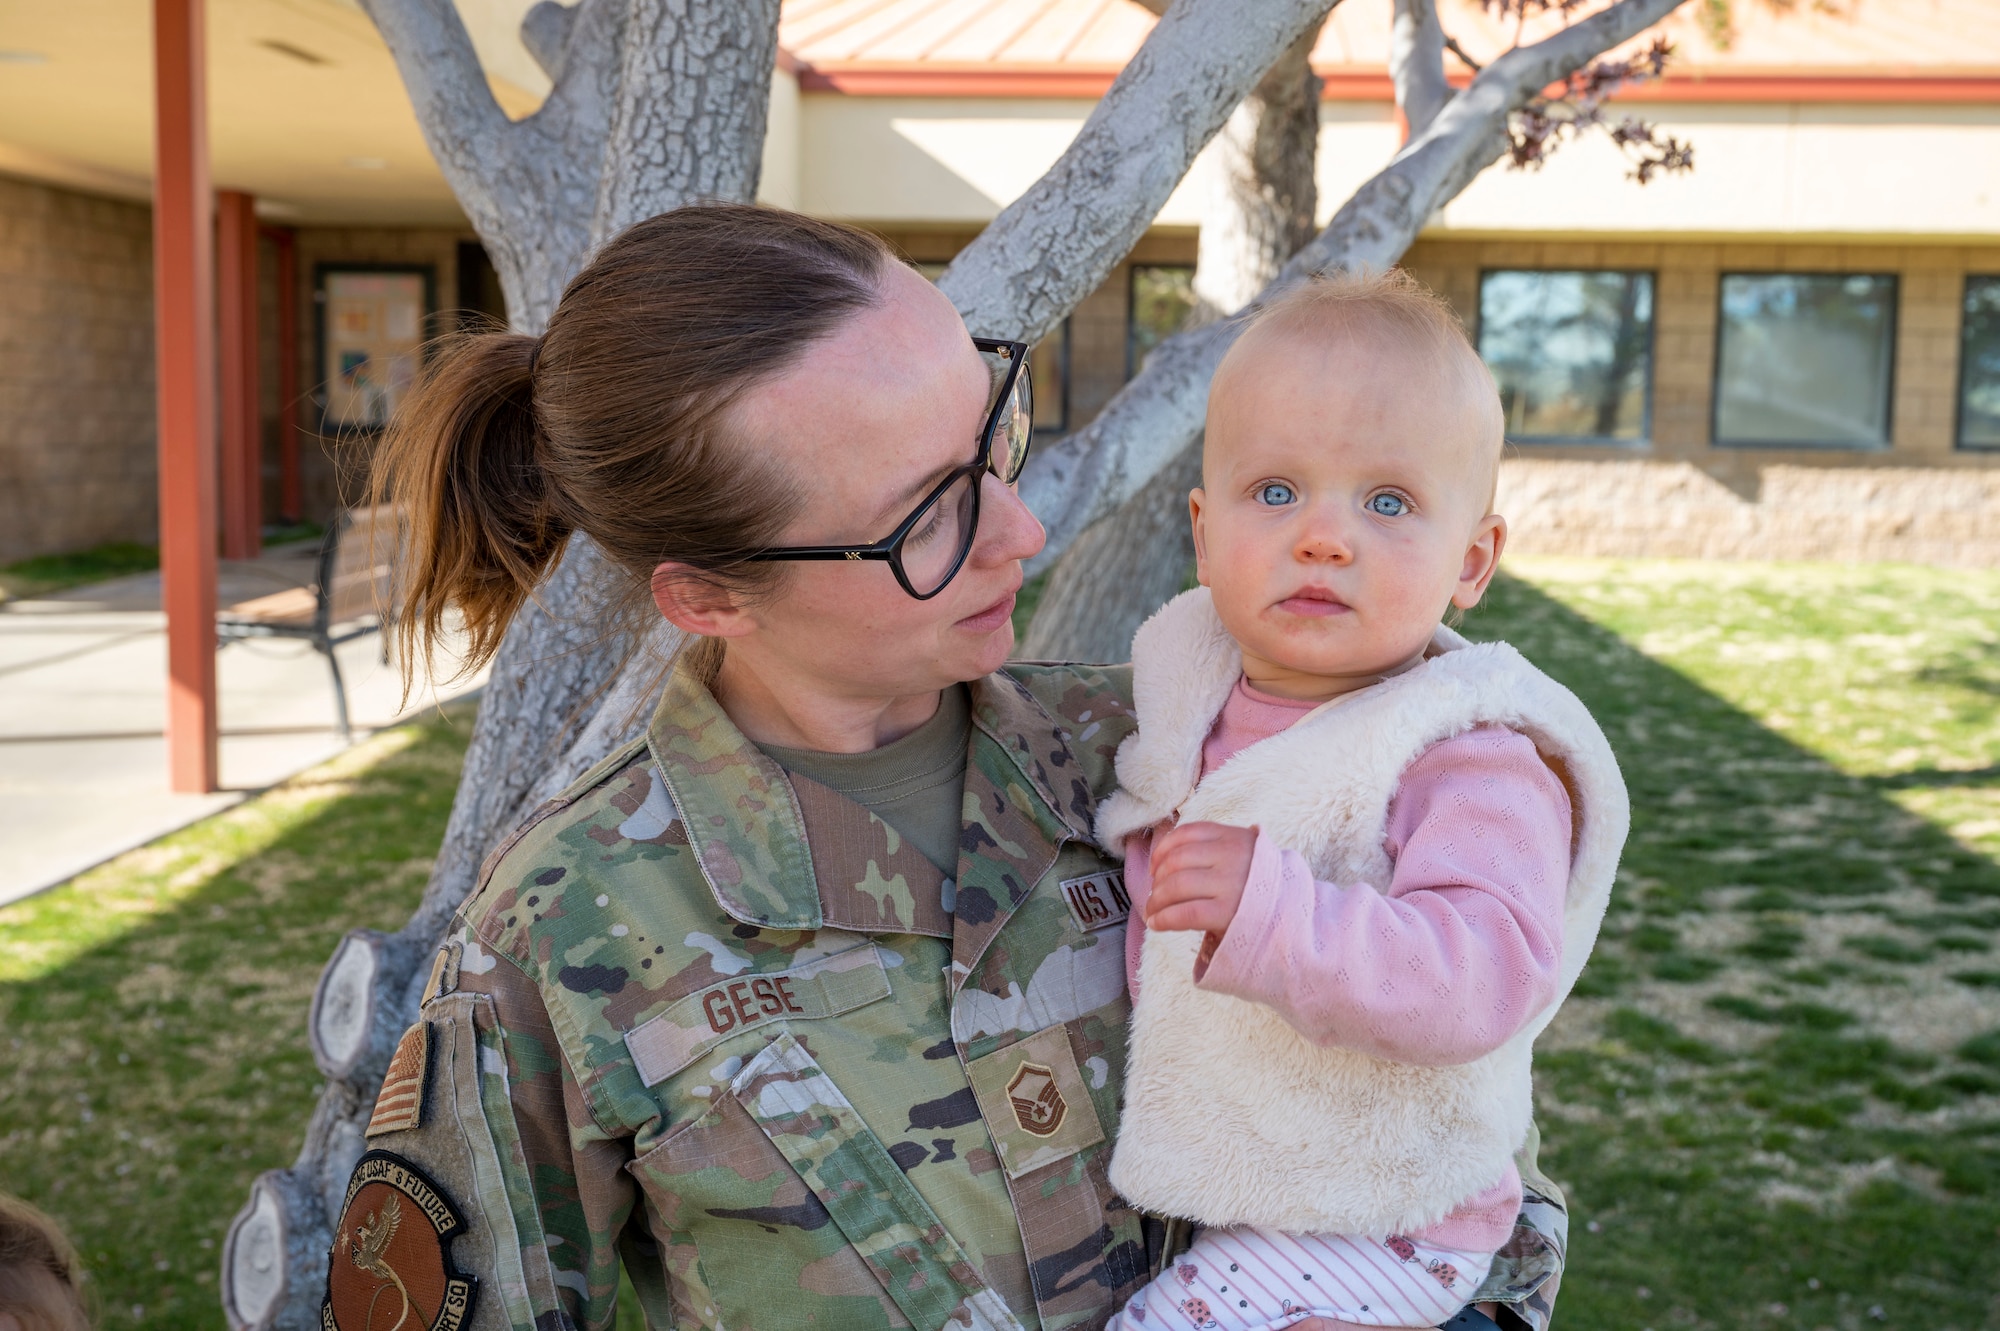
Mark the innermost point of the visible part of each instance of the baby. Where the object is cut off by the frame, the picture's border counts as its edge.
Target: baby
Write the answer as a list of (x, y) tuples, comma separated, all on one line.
[(1369, 857)]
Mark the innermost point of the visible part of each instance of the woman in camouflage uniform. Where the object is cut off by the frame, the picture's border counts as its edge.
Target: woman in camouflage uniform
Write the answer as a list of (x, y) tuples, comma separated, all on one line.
[(809, 1006)]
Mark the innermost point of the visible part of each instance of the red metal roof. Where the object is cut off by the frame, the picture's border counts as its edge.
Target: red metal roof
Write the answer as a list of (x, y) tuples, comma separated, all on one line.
[(1842, 50)]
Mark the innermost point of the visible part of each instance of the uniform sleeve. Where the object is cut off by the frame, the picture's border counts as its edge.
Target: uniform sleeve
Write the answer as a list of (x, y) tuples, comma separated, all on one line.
[(1464, 946), (568, 1176)]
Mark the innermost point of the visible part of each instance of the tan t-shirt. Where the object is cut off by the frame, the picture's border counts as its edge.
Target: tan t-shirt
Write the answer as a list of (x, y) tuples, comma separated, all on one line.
[(916, 785)]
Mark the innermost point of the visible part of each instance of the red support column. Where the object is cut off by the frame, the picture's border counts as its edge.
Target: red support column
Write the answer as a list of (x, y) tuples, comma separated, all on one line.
[(184, 348), (291, 500), (242, 424)]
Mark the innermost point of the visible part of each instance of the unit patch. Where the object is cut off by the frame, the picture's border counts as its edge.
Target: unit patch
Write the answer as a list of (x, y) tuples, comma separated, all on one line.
[(1035, 1102), (390, 1265), (400, 1103), (1097, 902)]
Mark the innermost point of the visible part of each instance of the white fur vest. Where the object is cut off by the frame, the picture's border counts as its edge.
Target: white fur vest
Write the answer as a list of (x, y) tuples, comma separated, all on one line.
[(1232, 1117)]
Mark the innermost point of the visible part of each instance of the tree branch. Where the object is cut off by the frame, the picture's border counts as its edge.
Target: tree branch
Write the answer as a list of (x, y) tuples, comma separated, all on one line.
[(1158, 413), (694, 88), (1056, 243), (545, 31), (1416, 64), (464, 127)]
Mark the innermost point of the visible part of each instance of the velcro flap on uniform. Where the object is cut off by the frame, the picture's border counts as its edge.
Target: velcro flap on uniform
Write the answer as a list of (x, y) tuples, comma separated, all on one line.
[(822, 987), (1034, 1101)]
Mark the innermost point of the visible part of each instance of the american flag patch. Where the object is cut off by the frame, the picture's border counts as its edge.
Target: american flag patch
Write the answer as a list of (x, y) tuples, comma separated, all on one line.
[(400, 1105)]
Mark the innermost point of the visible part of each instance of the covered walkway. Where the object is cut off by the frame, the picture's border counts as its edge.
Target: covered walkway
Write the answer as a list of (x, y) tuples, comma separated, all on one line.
[(83, 767)]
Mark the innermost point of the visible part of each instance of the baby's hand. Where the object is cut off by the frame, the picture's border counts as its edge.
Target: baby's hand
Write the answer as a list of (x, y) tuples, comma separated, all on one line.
[(1199, 872)]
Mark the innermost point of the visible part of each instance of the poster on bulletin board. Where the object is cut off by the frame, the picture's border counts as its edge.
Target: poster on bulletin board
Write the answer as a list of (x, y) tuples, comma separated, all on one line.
[(371, 343)]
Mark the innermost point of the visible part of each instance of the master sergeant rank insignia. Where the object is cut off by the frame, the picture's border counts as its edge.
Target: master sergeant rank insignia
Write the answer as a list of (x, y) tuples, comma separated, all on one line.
[(390, 1268), (1038, 1102)]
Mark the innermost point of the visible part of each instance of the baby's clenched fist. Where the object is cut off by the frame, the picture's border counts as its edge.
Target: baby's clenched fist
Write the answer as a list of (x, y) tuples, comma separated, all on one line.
[(1199, 871)]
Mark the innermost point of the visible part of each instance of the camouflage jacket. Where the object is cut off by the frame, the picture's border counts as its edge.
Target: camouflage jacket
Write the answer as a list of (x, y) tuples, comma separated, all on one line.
[(723, 1024)]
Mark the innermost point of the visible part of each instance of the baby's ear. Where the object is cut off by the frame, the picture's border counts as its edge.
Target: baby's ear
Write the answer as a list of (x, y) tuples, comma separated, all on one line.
[(1196, 499), (1482, 559)]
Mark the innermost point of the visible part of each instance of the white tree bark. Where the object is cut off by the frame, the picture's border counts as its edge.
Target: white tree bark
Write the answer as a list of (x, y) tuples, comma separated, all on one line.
[(1158, 413), (1055, 244), (1257, 213), (1416, 64)]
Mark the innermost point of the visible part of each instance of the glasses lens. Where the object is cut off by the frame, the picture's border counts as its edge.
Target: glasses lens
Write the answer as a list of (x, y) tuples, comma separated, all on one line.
[(1013, 429), (932, 551)]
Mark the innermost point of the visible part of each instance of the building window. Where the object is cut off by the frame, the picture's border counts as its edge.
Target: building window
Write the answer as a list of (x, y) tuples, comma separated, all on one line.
[(1803, 360), (1162, 302), (1048, 362), (1979, 366), (371, 342), (1572, 354)]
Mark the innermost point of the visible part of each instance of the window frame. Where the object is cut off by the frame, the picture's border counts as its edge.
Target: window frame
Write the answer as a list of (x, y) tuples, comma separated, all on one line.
[(319, 395), (1644, 441), (1061, 427), (1958, 444), (1132, 306), (1895, 333)]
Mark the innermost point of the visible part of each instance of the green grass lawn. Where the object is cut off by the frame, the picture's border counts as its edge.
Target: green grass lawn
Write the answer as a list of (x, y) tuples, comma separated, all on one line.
[(152, 1012), (53, 573), (1775, 1101)]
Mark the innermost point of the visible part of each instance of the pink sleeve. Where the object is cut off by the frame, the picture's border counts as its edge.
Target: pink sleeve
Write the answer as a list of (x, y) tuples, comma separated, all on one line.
[(1461, 950)]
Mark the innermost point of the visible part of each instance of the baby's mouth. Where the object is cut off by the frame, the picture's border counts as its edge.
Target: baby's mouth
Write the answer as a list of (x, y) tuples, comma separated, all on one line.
[(1315, 603)]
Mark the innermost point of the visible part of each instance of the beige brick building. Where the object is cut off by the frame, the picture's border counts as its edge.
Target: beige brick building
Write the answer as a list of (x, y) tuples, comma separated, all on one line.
[(1805, 363)]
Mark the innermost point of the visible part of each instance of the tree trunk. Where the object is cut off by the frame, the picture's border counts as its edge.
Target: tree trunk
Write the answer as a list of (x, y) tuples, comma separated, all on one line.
[(1257, 213)]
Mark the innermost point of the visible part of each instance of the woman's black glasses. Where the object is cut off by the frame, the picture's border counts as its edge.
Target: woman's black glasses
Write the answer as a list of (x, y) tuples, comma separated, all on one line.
[(929, 547)]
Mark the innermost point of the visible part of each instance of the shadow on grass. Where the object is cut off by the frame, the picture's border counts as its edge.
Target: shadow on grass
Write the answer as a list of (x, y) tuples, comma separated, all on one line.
[(151, 1073), (1807, 1167)]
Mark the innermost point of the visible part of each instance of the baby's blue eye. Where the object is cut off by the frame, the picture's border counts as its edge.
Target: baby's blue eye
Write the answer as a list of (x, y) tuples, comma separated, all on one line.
[(1276, 493), (1389, 505)]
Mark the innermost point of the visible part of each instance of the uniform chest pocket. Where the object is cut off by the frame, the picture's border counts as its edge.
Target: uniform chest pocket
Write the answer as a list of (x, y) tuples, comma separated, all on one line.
[(850, 1224), (697, 1022)]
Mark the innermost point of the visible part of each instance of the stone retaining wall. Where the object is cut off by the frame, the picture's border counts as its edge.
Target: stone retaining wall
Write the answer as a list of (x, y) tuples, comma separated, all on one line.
[(1645, 509)]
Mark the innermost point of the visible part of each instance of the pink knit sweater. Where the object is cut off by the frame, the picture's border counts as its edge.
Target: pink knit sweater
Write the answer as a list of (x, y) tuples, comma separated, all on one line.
[(1446, 965)]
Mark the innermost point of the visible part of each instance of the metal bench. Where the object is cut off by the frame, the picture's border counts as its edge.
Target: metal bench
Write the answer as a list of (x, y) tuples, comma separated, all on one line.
[(351, 589)]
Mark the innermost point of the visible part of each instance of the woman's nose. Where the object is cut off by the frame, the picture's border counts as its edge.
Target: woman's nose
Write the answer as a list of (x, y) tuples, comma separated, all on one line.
[(1008, 530)]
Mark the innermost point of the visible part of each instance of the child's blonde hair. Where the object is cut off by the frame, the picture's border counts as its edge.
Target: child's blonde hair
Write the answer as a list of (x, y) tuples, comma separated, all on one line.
[(41, 1281), (1392, 303)]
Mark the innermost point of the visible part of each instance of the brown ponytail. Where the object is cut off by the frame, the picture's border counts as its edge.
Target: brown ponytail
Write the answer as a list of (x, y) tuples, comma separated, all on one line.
[(607, 423)]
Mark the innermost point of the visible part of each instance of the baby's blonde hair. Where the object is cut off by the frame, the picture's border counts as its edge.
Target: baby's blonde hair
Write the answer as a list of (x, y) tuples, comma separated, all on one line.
[(1337, 305)]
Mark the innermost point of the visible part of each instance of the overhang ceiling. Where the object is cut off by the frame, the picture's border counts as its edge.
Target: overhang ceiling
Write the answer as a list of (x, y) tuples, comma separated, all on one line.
[(306, 109)]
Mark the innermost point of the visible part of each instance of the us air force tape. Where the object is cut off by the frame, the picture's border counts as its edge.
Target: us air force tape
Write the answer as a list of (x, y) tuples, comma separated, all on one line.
[(1097, 901), (391, 1259)]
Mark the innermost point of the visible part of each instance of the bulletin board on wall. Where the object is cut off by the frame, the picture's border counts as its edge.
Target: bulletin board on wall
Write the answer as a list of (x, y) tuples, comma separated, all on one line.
[(372, 326)]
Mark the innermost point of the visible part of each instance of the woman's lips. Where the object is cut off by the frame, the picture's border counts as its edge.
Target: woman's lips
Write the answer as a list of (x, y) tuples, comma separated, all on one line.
[(992, 617), (1314, 605)]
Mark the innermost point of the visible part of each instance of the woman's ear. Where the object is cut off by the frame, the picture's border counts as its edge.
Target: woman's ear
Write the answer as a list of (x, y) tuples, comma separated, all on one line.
[(694, 604), (1482, 560)]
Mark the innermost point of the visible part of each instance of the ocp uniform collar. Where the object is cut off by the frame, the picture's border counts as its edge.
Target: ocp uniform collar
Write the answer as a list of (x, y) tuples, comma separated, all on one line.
[(781, 852)]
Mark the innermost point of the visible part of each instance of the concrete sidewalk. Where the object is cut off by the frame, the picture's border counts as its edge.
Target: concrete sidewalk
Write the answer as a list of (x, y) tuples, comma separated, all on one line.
[(82, 699)]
